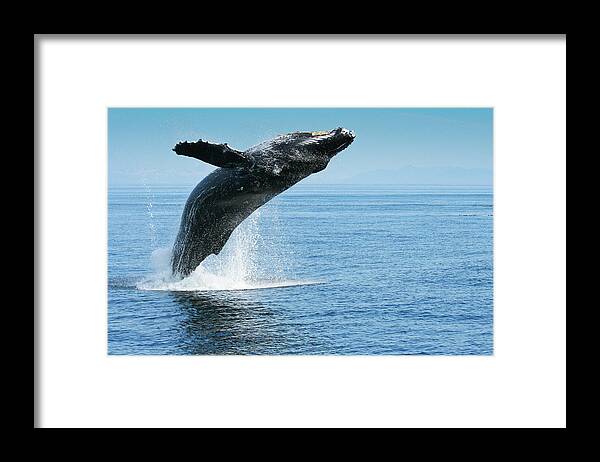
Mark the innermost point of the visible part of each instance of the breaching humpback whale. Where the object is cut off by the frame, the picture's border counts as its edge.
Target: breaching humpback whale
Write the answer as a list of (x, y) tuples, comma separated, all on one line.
[(245, 181)]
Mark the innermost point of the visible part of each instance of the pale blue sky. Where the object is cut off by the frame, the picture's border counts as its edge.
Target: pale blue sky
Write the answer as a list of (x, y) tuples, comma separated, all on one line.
[(405, 146)]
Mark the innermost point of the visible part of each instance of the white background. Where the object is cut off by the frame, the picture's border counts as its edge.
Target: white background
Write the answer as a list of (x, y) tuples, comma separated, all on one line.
[(523, 384)]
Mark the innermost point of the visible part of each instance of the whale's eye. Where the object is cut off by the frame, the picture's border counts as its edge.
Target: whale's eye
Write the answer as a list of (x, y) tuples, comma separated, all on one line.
[(319, 133)]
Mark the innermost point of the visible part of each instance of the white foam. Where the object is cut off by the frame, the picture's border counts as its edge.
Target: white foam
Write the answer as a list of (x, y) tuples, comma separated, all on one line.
[(203, 280), (235, 268)]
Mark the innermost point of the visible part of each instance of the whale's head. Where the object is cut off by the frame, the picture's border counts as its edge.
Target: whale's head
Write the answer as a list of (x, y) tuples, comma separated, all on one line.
[(327, 143), (306, 152)]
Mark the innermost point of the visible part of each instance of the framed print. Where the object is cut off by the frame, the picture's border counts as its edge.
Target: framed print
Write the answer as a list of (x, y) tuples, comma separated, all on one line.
[(289, 231)]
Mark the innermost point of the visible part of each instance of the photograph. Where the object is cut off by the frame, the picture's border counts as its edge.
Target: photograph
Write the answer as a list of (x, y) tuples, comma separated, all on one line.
[(300, 231)]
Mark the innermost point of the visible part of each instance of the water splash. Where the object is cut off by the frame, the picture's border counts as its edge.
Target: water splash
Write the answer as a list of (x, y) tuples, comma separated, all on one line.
[(235, 268), (150, 213)]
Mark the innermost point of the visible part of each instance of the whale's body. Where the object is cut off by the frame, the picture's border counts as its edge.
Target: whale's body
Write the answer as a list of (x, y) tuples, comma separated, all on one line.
[(244, 182)]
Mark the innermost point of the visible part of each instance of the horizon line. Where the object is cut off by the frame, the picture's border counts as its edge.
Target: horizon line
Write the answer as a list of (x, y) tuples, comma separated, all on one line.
[(129, 185)]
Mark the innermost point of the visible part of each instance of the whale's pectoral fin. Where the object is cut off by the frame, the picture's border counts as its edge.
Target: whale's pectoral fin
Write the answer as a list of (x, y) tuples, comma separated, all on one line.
[(219, 155)]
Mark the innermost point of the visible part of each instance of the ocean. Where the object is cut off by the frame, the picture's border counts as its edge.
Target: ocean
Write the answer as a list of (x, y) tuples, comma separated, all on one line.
[(318, 270)]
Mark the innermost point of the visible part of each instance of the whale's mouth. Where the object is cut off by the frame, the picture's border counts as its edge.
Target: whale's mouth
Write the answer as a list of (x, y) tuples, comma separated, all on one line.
[(343, 145), (328, 142), (341, 139)]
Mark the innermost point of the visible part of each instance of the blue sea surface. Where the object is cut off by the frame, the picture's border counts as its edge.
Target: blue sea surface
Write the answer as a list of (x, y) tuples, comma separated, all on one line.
[(319, 270)]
